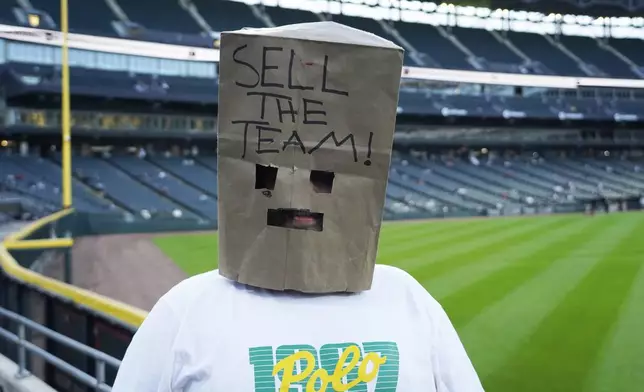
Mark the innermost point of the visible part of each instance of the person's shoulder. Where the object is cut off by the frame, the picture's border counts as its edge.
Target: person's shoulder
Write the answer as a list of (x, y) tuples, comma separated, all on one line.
[(396, 280), (393, 275), (191, 289)]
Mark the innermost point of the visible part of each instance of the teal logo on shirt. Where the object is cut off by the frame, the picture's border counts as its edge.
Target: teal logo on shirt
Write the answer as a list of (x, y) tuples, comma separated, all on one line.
[(332, 367)]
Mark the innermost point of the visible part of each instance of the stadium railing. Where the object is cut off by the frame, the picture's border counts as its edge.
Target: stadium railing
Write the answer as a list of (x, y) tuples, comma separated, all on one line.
[(24, 347), (81, 315)]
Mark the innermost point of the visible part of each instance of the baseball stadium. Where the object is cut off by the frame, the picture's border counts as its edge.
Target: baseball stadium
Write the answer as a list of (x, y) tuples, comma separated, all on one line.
[(514, 196)]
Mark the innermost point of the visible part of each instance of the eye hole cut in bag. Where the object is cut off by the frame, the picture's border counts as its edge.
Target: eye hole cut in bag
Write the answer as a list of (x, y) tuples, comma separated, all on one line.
[(322, 181), (265, 177)]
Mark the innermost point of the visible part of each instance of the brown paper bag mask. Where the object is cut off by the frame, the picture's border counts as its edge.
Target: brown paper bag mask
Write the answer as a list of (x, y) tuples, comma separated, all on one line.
[(306, 120)]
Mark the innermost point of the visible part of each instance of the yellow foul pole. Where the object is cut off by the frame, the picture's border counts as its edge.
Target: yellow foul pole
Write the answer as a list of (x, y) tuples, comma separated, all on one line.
[(66, 126)]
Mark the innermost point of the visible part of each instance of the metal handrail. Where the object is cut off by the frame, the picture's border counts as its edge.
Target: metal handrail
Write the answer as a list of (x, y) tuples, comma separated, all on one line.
[(24, 346)]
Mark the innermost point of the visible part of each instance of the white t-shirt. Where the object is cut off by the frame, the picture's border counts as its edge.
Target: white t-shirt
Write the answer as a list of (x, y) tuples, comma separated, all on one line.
[(209, 334)]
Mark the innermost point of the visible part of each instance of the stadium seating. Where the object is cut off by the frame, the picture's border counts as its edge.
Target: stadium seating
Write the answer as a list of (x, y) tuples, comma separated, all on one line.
[(526, 181), (506, 183), (21, 79), (6, 14), (537, 107), (4, 218), (117, 184), (46, 170), (163, 184), (41, 180), (166, 184), (122, 188), (448, 47), (86, 17), (624, 172), (427, 40), (398, 208), (538, 48), (427, 193), (577, 174), (448, 180), (284, 16), (632, 48), (227, 15), (365, 24), (167, 16), (32, 208), (191, 171), (209, 162), (589, 51), (483, 44), (516, 182), (169, 185)]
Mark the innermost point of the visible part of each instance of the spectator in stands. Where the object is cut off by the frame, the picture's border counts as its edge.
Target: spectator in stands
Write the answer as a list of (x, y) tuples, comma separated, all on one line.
[(141, 153), (298, 302)]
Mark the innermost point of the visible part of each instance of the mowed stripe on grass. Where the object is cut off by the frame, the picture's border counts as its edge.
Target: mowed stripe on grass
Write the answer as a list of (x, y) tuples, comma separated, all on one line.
[(547, 303), (434, 262), (622, 359), (508, 323), (562, 350), (522, 262), (408, 248), (459, 279)]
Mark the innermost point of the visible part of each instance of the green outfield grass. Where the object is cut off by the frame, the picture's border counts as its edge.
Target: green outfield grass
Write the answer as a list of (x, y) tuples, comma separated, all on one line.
[(542, 304)]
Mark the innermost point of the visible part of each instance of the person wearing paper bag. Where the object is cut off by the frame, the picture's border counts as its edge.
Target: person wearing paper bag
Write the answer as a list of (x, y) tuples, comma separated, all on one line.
[(306, 120)]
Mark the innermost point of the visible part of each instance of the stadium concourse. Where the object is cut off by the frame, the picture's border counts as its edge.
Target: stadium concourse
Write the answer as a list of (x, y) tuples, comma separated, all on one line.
[(534, 111)]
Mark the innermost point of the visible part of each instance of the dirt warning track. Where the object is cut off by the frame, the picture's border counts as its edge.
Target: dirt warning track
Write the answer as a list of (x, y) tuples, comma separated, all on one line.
[(127, 268)]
